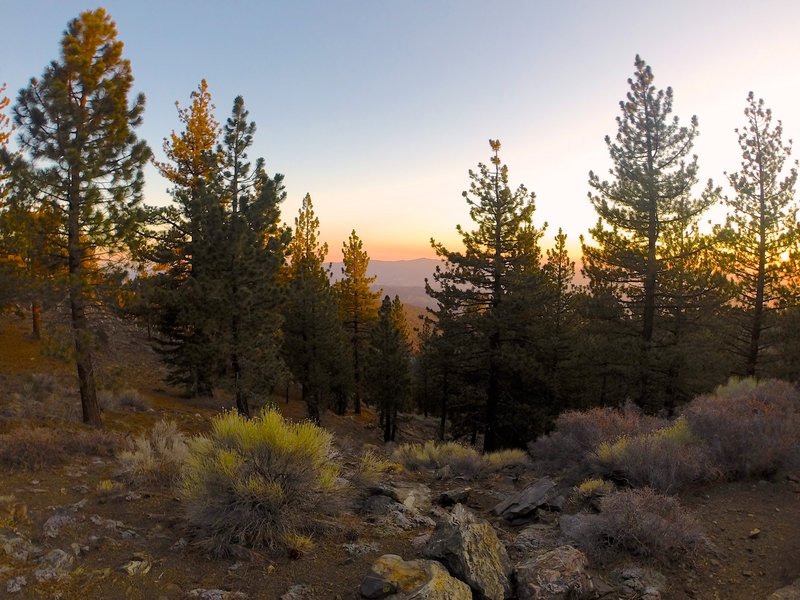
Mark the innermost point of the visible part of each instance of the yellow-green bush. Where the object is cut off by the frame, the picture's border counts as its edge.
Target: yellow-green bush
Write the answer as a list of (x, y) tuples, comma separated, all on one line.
[(156, 458), (513, 457), (462, 460), (372, 467), (666, 459), (258, 483), (594, 487)]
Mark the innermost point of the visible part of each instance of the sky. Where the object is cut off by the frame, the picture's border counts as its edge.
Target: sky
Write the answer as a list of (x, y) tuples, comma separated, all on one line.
[(379, 109)]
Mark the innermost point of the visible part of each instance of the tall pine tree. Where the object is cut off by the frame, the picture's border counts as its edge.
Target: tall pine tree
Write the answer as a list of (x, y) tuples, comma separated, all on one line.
[(358, 307), (77, 130), (649, 195), (761, 229), (483, 287)]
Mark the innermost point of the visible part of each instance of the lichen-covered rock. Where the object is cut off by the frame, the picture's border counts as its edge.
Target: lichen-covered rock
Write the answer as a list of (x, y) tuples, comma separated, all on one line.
[(393, 578), (556, 575), (216, 594), (472, 552)]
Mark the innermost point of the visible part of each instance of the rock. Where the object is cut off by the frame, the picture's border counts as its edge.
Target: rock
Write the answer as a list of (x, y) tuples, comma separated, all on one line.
[(411, 495), (52, 527), (419, 542), (393, 578), (58, 559), (139, 564), (15, 584), (522, 507), (754, 533), (472, 552), (216, 594), (556, 575), (19, 548), (533, 538), (359, 549), (298, 592), (647, 583), (789, 592), (181, 544), (454, 496)]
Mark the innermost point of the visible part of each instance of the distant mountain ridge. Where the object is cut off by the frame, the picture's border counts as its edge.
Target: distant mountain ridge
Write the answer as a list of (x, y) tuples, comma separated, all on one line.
[(404, 278)]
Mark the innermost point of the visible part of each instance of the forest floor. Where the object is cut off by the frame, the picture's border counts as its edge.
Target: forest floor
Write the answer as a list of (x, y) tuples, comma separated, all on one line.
[(141, 528)]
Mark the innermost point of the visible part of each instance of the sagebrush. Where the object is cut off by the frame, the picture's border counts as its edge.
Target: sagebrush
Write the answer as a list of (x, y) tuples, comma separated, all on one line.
[(258, 483), (156, 458)]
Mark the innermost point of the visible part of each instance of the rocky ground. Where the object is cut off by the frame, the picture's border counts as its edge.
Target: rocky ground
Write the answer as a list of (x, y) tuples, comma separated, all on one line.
[(63, 534)]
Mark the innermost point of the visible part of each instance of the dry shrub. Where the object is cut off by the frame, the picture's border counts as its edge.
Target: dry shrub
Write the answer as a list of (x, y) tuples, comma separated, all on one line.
[(643, 523), (578, 434), (157, 458), (667, 459), (126, 399), (33, 448), (510, 459), (258, 483), (462, 460), (749, 429), (594, 487), (43, 397)]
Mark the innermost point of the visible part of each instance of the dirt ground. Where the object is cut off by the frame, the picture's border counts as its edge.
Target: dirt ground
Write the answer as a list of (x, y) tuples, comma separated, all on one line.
[(754, 526)]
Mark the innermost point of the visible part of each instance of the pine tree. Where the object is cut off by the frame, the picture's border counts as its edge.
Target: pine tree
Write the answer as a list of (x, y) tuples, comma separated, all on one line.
[(649, 195), (313, 339), (388, 364), (484, 287), (761, 229), (76, 129), (5, 135), (358, 307)]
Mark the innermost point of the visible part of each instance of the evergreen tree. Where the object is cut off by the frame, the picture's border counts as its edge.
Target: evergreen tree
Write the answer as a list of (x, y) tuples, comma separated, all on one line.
[(314, 344), (190, 240), (488, 286), (358, 307), (761, 229), (559, 272), (76, 129), (388, 364), (649, 196)]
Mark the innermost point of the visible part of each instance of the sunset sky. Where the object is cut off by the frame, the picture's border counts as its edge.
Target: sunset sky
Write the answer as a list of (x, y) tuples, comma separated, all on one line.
[(378, 109)]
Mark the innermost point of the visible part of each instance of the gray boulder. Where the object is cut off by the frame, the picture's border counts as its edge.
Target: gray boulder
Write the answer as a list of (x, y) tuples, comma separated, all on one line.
[(522, 507), (556, 575), (472, 552), (393, 578)]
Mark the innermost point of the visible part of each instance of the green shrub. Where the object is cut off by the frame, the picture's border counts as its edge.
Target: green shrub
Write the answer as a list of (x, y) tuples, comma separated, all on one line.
[(372, 467), (749, 430), (157, 458), (642, 523), (258, 483), (505, 459)]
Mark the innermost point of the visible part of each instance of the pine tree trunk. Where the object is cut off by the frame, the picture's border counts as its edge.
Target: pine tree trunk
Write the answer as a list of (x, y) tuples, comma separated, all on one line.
[(80, 327), (758, 306), (443, 418), (36, 320)]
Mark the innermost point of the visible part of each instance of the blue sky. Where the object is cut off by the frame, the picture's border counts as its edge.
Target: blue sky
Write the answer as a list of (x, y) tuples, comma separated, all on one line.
[(378, 109)]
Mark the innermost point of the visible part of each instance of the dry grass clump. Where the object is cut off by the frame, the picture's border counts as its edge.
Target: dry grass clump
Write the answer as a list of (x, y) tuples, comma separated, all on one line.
[(42, 396), (372, 467), (578, 434), (33, 448), (126, 399), (506, 459), (594, 487), (667, 459), (462, 460), (157, 458), (258, 483), (642, 523), (749, 429)]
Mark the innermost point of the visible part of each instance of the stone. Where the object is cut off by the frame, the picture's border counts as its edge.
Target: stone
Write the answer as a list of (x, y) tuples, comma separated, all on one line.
[(19, 548), (15, 584), (359, 549), (52, 527), (647, 583), (454, 496), (58, 559), (789, 592), (298, 592), (416, 496), (522, 507), (216, 594), (533, 539), (556, 575), (393, 578), (139, 564), (472, 552)]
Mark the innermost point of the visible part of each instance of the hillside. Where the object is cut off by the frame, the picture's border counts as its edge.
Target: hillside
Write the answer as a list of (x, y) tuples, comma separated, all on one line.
[(73, 525)]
